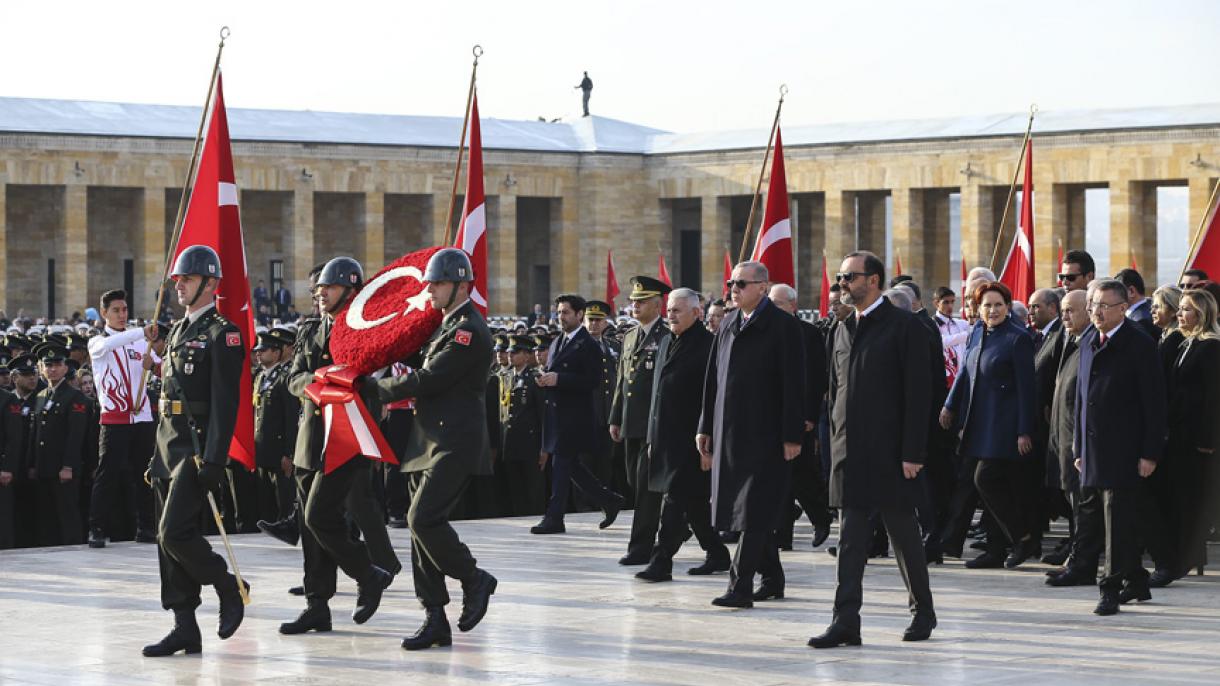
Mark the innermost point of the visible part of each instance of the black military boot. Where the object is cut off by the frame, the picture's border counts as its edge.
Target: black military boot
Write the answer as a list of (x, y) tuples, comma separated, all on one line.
[(368, 596), (286, 530), (97, 538), (232, 609), (316, 617), (434, 632), (184, 636), (476, 594)]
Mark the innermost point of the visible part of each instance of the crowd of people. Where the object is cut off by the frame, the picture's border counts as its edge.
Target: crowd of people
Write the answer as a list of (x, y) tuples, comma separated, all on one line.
[(1095, 403)]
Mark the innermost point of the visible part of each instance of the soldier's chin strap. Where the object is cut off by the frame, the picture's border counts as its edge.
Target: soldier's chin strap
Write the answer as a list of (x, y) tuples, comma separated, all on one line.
[(347, 294), (198, 291), (452, 296)]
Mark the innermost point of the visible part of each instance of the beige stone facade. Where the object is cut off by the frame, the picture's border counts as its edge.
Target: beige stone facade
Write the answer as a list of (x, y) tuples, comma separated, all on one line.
[(102, 207)]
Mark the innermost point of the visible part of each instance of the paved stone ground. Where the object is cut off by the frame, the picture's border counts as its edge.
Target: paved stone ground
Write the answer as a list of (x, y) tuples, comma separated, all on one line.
[(566, 613)]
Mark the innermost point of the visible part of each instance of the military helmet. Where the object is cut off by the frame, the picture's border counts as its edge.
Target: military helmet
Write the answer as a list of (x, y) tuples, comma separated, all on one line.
[(341, 271), (197, 260), (449, 264)]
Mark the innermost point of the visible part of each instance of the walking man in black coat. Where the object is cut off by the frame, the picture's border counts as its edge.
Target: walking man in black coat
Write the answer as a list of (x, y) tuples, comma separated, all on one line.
[(751, 428), (675, 467), (879, 390)]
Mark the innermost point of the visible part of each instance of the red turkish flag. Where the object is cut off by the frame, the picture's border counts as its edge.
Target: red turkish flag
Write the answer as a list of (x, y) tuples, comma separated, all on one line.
[(963, 287), (1018, 272), (824, 294), (662, 272), (897, 263), (213, 219), (1206, 255), (728, 274), (472, 233), (611, 280), (774, 244)]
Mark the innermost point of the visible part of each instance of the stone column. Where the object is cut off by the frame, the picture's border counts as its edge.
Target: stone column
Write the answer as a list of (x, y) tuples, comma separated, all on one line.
[(502, 254), (1126, 226), (75, 269), (840, 224), (977, 234), (936, 242), (908, 227), (565, 244), (714, 218), (152, 251), (4, 245), (300, 244), (374, 233)]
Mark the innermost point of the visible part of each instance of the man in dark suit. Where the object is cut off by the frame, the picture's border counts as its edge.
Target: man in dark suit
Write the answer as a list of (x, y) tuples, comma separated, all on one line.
[(448, 444), (1049, 340), (751, 428), (572, 374), (879, 390), (629, 410), (1120, 435), (675, 466), (1139, 305)]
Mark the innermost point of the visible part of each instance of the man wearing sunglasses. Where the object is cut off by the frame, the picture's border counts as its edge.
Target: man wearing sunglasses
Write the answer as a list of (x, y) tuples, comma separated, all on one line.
[(1192, 278), (1077, 271)]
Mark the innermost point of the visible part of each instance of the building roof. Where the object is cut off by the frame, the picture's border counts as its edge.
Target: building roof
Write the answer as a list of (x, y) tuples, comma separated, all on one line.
[(585, 134)]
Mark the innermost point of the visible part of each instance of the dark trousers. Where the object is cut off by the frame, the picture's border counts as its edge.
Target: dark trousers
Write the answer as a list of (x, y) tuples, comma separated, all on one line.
[(526, 486), (123, 454), (243, 487), (397, 429), (1008, 488), (366, 511), (436, 550), (1116, 514), (567, 470), (961, 507), (758, 553), (647, 517), (186, 560), (679, 510), (855, 539), (1089, 541), (940, 478), (277, 494), (326, 539), (59, 521), (809, 490), (7, 513)]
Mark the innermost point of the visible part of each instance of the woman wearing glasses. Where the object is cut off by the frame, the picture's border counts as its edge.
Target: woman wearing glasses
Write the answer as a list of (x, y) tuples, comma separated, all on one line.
[(993, 402)]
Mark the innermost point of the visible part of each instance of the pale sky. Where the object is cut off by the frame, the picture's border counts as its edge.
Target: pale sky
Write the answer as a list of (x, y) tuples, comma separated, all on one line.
[(681, 66)]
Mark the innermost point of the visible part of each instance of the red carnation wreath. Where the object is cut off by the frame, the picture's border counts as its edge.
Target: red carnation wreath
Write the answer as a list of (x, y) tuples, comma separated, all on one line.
[(390, 319)]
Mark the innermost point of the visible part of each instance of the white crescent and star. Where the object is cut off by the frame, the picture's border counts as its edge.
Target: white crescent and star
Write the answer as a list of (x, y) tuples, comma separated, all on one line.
[(419, 301)]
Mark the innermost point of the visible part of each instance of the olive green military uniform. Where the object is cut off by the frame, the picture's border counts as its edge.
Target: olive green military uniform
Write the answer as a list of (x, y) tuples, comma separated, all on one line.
[(276, 413), (521, 440), (60, 423)]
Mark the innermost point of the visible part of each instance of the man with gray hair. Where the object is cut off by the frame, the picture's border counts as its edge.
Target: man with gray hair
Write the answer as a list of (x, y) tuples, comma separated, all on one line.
[(675, 467), (1049, 340)]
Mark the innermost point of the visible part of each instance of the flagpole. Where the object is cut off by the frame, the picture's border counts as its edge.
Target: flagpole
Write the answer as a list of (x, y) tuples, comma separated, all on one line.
[(1194, 244), (182, 201), (745, 238), (1012, 189), (477, 51)]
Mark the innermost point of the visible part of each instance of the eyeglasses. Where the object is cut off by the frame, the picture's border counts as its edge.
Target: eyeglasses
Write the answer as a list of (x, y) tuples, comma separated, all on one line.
[(739, 284), (1093, 307), (849, 276), (1069, 277)]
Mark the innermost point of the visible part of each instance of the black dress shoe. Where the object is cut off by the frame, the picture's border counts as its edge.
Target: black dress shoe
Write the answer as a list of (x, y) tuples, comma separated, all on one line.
[(316, 617), (732, 599), (476, 594), (921, 628), (834, 637), (933, 555), (711, 565), (988, 560), (434, 631), (368, 594), (833, 551), (184, 636), (547, 526), (1161, 578), (1056, 558), (820, 534), (1108, 605), (297, 590), (767, 592), (980, 544), (633, 559), (1022, 551), (97, 539), (611, 511), (142, 536), (397, 523), (285, 530), (232, 609), (654, 573), (1138, 592), (1071, 577), (730, 536)]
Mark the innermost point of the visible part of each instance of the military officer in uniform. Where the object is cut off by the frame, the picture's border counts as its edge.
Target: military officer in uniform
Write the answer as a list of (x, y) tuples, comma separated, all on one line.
[(60, 423), (629, 410), (17, 429), (596, 323), (198, 413), (10, 463), (521, 430), (276, 411), (448, 445), (326, 540)]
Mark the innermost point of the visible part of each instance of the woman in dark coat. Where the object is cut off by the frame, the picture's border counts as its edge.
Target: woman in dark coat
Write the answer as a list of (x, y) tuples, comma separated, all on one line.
[(1165, 315), (1194, 432), (993, 400)]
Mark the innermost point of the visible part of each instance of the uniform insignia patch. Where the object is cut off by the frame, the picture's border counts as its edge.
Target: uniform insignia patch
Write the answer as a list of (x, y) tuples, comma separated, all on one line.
[(78, 407), (233, 339), (462, 338)]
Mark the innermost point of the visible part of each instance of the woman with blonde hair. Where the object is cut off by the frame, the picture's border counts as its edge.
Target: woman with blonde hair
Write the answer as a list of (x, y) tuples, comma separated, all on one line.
[(1194, 431), (1165, 316)]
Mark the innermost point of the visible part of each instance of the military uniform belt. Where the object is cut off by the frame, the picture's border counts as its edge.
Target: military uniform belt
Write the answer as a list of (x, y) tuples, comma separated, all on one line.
[(176, 408)]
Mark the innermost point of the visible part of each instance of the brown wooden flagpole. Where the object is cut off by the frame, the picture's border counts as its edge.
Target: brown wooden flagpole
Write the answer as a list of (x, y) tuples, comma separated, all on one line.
[(477, 50), (745, 238), (1012, 189)]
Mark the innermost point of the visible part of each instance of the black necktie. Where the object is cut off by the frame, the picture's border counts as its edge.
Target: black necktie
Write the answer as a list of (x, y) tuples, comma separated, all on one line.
[(562, 342)]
